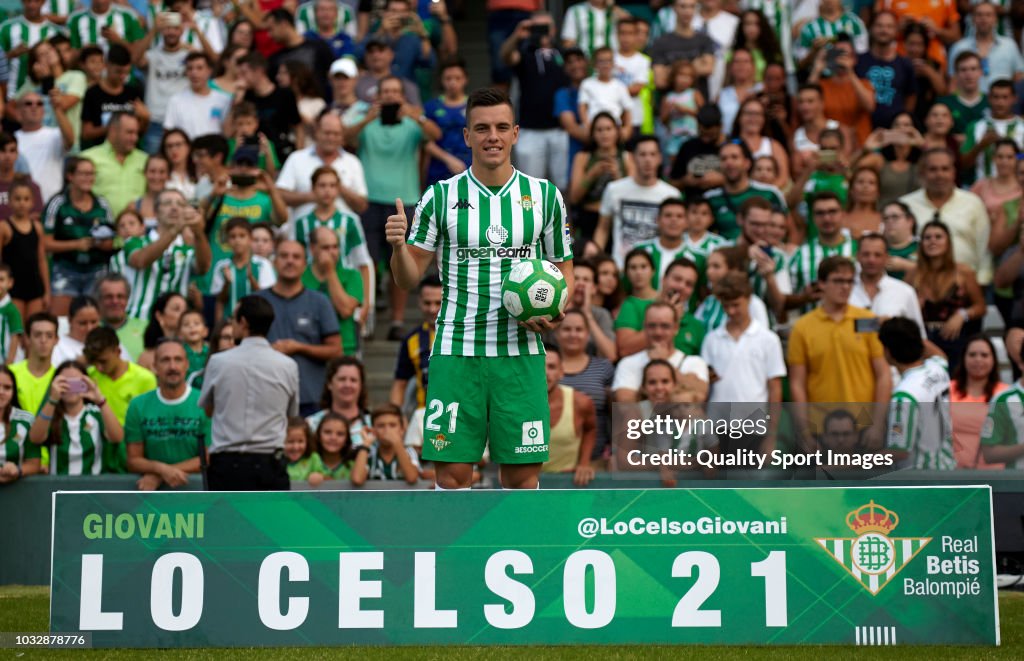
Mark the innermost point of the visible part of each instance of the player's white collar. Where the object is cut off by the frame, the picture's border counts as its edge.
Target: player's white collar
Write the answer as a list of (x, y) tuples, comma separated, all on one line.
[(487, 191)]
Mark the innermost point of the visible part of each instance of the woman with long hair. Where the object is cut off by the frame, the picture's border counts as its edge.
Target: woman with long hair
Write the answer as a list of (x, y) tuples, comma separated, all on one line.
[(952, 303), (741, 85), (226, 76), (756, 35), (76, 422), (83, 316), (176, 148), (609, 292), (591, 375), (164, 319), (751, 126), (975, 382), (1003, 187), (938, 129), (345, 393), (242, 34), (862, 214), (157, 173), (931, 79), (893, 153), (629, 322), (297, 77), (18, 455), (333, 440), (602, 162)]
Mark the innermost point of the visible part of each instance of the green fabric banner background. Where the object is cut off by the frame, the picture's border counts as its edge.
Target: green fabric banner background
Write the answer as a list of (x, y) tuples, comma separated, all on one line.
[(612, 566)]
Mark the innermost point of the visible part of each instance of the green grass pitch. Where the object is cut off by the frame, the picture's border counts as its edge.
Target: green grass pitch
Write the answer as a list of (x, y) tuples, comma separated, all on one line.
[(26, 609)]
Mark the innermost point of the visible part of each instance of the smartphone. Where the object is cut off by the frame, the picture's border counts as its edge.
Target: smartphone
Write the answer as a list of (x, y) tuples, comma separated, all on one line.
[(827, 156), (389, 114), (77, 386), (45, 85), (768, 250), (831, 57), (867, 325), (538, 30)]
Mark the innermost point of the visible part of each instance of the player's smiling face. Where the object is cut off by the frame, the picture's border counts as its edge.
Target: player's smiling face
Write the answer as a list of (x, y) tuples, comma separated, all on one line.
[(491, 133)]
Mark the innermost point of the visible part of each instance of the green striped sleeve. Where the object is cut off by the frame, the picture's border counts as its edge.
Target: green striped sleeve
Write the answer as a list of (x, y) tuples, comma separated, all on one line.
[(902, 421), (424, 229)]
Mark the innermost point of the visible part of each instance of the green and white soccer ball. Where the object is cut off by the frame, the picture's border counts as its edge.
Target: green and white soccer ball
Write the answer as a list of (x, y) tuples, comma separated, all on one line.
[(534, 289)]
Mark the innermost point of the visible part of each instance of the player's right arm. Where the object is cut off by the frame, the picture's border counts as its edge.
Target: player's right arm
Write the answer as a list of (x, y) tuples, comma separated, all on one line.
[(408, 263)]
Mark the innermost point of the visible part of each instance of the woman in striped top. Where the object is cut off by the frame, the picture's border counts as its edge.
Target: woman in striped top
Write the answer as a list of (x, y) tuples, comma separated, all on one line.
[(76, 422), (591, 375), (18, 456)]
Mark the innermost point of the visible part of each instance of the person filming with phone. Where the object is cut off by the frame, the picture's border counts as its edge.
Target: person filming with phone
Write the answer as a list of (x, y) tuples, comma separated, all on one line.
[(850, 100)]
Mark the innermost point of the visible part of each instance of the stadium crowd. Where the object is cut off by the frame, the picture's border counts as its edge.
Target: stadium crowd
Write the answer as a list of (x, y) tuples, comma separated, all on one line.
[(805, 201)]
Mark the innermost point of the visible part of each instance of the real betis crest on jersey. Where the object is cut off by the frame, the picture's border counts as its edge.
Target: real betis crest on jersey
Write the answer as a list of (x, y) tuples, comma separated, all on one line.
[(478, 234)]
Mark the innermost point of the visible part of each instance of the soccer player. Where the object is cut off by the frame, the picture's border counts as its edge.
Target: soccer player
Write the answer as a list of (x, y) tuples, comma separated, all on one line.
[(487, 375), (919, 424)]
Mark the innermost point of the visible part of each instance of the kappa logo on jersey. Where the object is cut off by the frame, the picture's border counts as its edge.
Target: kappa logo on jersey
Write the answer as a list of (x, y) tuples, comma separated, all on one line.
[(462, 205), (496, 235), (873, 557), (533, 438)]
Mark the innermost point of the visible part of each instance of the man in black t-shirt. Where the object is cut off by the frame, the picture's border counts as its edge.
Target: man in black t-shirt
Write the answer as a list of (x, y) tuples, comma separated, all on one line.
[(277, 108), (696, 168), (543, 147), (314, 54), (110, 95)]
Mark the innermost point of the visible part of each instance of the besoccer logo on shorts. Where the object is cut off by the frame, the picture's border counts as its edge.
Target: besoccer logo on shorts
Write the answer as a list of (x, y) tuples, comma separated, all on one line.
[(533, 438), (873, 558)]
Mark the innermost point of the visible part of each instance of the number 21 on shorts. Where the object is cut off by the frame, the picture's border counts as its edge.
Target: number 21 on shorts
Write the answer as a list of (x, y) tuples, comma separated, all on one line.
[(435, 409)]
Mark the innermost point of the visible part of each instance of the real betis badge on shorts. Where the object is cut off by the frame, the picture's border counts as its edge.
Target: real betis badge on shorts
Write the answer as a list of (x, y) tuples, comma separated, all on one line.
[(440, 442)]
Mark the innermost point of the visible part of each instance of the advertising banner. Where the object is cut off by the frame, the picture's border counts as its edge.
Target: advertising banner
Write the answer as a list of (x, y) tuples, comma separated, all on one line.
[(852, 566)]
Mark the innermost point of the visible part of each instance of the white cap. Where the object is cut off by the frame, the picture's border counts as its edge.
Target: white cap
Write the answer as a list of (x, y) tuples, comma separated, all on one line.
[(344, 65)]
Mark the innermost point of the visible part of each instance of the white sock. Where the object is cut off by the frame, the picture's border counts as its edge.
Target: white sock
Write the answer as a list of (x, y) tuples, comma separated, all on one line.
[(438, 487)]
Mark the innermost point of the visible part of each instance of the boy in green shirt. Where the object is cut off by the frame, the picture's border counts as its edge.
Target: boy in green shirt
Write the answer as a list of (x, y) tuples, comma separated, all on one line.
[(10, 318), (241, 273)]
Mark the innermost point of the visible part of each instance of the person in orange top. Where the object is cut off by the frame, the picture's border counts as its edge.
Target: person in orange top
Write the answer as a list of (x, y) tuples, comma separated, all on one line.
[(848, 99), (975, 383), (940, 17)]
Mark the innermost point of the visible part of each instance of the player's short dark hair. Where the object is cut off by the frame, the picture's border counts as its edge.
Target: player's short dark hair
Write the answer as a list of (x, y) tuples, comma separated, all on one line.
[(902, 338), (487, 97), (733, 285), (672, 202), (118, 55), (99, 339), (213, 144), (257, 312), (236, 222), (384, 410), (834, 264), (431, 280), (41, 317)]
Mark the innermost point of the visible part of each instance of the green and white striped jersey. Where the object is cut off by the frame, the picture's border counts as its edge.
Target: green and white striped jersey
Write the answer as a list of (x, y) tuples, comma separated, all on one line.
[(782, 281), (849, 23), (711, 313), (19, 31), (10, 325), (239, 283), (169, 273), (803, 265), (919, 419), (60, 8), (662, 257), (305, 19), (1005, 422), (348, 227), (81, 444), (590, 27), (780, 16), (84, 27), (1012, 128), (17, 448), (478, 235)]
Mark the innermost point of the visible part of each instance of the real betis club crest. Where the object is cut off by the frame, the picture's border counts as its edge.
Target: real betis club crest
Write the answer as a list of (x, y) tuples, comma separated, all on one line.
[(873, 557)]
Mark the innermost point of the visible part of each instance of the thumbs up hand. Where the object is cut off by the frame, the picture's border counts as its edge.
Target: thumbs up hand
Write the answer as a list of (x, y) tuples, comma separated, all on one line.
[(397, 225)]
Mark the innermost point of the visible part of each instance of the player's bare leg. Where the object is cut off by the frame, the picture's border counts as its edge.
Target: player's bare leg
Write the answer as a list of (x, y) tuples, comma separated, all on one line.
[(452, 475), (519, 476)]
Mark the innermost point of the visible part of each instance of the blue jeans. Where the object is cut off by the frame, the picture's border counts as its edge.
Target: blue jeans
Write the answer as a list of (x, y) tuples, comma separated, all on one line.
[(67, 281)]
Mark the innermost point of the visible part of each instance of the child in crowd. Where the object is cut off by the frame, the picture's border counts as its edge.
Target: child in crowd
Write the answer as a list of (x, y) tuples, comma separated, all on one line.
[(300, 451), (193, 332), (21, 241), (10, 319), (699, 241), (18, 456), (241, 274), (334, 443), (679, 108), (602, 92), (75, 421), (900, 228), (449, 155), (245, 121), (765, 170), (721, 261), (129, 224), (263, 240), (383, 455)]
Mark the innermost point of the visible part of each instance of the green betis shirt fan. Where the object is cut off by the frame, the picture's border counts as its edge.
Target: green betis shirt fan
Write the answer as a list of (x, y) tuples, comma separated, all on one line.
[(726, 205), (169, 430)]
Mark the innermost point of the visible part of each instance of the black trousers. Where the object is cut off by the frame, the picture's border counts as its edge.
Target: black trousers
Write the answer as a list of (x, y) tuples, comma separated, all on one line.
[(248, 471)]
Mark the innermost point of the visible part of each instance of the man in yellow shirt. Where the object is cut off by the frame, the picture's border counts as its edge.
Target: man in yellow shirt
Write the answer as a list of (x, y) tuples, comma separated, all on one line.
[(835, 358), (119, 381), (33, 375)]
